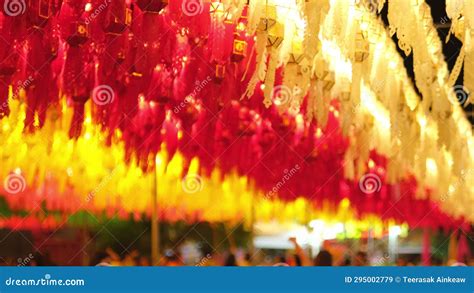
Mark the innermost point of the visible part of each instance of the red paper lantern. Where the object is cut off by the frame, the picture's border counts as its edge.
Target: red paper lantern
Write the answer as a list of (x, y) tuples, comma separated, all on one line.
[(39, 12), (239, 50), (151, 6), (219, 73), (118, 17), (79, 33)]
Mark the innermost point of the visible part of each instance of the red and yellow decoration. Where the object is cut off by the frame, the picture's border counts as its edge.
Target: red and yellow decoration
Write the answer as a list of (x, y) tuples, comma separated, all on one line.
[(277, 109)]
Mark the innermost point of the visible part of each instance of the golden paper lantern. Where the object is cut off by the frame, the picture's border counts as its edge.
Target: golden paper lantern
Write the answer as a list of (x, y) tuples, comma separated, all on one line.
[(275, 35), (269, 20)]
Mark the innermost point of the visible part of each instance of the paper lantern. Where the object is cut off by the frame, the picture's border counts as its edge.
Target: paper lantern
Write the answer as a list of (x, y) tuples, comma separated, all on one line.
[(219, 73), (118, 17), (275, 35), (39, 12), (80, 33), (269, 20), (297, 53), (329, 80), (216, 8), (361, 47), (151, 6), (239, 50)]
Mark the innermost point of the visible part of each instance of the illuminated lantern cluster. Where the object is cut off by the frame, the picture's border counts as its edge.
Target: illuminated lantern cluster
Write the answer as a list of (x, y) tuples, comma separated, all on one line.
[(242, 86)]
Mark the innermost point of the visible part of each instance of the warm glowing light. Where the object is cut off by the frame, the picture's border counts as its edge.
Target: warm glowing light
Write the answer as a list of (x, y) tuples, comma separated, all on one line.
[(370, 102), (319, 133), (431, 166), (371, 164), (240, 26), (141, 102), (395, 230)]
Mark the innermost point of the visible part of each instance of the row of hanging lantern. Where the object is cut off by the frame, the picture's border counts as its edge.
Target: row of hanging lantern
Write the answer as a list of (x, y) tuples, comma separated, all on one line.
[(297, 57), (46, 172), (417, 129)]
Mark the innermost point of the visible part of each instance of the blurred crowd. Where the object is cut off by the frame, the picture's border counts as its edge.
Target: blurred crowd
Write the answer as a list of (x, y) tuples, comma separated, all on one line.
[(237, 257)]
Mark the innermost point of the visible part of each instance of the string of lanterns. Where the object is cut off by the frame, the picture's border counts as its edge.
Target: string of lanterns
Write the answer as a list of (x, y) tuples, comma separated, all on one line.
[(247, 87)]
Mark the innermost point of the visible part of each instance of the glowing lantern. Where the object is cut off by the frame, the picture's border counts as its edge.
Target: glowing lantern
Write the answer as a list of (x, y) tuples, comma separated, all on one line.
[(361, 47), (269, 20), (296, 55), (80, 33), (239, 48), (275, 35), (217, 8)]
